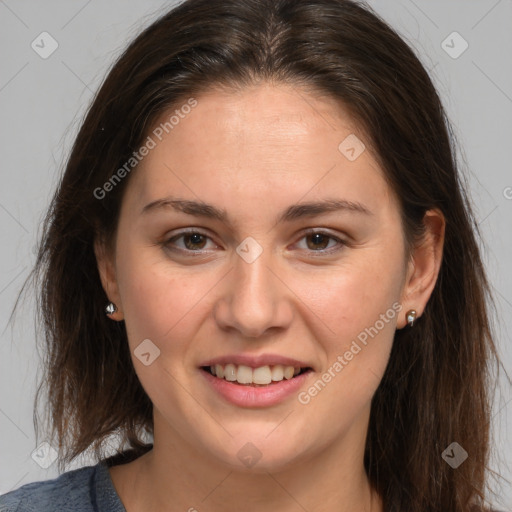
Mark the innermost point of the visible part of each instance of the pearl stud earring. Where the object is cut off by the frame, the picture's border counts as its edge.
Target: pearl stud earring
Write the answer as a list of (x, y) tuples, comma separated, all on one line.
[(411, 317)]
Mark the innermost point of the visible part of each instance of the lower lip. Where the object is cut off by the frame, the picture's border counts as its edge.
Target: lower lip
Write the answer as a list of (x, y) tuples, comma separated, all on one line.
[(250, 396)]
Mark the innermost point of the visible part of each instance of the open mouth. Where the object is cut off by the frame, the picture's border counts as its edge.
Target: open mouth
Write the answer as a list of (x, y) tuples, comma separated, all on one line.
[(256, 377)]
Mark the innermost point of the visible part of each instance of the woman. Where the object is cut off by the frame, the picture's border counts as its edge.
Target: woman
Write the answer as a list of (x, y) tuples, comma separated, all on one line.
[(259, 271)]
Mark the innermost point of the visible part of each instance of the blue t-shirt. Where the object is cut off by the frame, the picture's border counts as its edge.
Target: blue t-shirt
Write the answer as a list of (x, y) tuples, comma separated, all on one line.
[(88, 489)]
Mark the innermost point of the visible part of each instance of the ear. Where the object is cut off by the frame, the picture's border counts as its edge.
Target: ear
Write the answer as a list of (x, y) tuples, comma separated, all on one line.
[(107, 271), (423, 267)]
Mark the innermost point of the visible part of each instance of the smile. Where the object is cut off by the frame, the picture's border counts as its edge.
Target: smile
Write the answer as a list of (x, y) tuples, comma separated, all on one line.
[(255, 387)]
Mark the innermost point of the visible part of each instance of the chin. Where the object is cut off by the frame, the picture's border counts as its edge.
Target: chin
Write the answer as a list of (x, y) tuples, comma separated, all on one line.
[(253, 452)]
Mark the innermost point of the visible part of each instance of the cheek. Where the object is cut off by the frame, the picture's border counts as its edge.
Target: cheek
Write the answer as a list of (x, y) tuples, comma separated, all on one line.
[(163, 305), (350, 299), (356, 345), (160, 302), (356, 308)]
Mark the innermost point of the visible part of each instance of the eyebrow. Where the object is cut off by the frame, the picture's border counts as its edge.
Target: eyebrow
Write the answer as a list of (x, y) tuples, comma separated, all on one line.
[(293, 212)]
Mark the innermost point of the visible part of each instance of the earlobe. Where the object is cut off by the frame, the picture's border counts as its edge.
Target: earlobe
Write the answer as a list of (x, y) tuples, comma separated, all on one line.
[(108, 279), (424, 267)]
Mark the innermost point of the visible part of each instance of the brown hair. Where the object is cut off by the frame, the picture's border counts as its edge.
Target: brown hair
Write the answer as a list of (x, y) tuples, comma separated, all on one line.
[(436, 387)]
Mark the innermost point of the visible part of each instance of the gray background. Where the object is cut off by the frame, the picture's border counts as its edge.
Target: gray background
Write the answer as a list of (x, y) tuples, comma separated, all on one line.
[(43, 100)]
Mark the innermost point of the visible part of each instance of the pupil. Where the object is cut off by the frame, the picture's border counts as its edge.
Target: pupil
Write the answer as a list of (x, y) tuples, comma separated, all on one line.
[(195, 239), (318, 238)]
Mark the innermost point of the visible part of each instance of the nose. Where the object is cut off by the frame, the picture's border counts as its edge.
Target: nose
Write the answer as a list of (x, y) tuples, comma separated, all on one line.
[(254, 299)]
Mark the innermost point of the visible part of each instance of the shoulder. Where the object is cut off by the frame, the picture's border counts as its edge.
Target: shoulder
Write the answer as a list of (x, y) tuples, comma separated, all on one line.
[(80, 490), (69, 491)]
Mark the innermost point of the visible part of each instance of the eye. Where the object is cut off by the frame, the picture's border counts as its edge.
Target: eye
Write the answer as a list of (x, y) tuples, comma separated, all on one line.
[(193, 241), (318, 241)]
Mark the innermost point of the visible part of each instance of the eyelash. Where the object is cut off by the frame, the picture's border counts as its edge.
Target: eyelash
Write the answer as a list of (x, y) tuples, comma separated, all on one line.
[(167, 243)]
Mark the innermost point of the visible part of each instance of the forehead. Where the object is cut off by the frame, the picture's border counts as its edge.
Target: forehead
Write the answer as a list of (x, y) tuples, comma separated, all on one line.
[(276, 142)]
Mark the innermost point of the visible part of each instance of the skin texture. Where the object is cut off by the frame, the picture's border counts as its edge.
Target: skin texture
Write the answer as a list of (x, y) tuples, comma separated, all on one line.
[(254, 153)]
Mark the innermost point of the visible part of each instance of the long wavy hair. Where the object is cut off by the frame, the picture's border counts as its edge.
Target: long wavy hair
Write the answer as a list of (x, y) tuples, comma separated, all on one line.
[(436, 388)]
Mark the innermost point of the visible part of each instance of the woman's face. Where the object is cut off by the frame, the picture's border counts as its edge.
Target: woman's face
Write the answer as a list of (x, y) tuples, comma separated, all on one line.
[(233, 273)]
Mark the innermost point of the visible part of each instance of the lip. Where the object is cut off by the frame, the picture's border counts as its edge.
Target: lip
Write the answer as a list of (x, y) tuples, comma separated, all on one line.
[(249, 396), (256, 361)]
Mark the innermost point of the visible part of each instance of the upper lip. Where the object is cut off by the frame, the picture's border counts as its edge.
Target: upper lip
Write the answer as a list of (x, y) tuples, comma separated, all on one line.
[(256, 361)]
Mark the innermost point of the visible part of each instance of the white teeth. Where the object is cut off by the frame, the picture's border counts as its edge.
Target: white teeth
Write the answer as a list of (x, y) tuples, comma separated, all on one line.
[(230, 372), (219, 371), (244, 374), (277, 373), (288, 372), (261, 376)]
